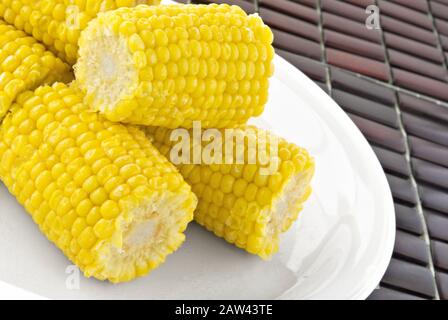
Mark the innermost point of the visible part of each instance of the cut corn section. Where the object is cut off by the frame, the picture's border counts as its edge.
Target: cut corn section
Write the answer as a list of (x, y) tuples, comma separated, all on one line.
[(170, 65), (98, 190), (247, 203), (58, 23), (24, 65)]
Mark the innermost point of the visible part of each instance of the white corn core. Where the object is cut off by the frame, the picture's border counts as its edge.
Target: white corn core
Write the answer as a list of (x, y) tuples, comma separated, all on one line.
[(288, 203), (107, 68), (143, 232), (146, 234)]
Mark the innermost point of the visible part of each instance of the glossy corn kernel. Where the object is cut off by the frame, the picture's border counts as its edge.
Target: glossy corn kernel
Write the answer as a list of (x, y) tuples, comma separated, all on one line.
[(58, 23), (170, 65), (249, 203), (98, 190), (24, 65)]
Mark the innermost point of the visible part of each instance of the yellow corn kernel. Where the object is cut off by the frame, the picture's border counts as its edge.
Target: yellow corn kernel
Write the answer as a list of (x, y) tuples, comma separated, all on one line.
[(24, 67), (87, 238), (96, 216), (170, 65), (58, 23), (104, 228), (245, 203)]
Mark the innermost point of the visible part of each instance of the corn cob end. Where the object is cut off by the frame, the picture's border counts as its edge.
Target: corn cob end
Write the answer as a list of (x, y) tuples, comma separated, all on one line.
[(283, 213), (142, 239)]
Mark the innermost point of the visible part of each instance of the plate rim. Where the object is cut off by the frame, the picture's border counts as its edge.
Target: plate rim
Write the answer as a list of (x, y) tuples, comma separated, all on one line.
[(346, 124)]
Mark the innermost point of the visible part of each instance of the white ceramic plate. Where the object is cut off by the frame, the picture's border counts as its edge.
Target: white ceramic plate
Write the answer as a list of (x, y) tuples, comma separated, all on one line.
[(339, 248)]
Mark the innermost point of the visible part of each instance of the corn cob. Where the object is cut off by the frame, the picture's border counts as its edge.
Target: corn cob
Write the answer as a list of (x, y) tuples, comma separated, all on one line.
[(98, 190), (58, 23), (24, 65), (238, 201), (170, 65)]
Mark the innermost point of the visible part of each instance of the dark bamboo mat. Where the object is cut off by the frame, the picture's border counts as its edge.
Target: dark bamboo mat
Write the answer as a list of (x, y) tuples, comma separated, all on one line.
[(393, 83)]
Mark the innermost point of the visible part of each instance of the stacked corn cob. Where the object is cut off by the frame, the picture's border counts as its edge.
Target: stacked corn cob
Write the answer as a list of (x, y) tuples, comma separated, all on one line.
[(58, 23), (171, 65), (248, 203), (100, 190), (24, 65)]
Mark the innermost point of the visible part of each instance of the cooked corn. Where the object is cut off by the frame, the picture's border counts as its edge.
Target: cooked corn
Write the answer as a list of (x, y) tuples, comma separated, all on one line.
[(58, 23), (247, 203), (98, 190), (169, 65), (24, 65)]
